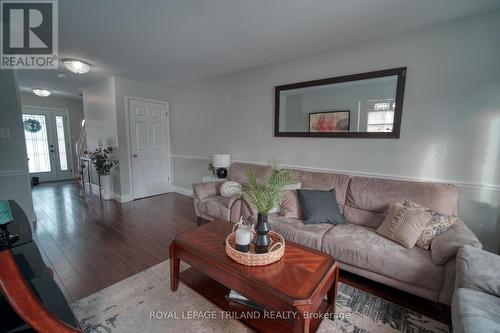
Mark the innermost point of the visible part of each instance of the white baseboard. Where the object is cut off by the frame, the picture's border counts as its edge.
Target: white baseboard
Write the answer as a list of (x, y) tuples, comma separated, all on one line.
[(182, 190), (123, 197), (115, 196)]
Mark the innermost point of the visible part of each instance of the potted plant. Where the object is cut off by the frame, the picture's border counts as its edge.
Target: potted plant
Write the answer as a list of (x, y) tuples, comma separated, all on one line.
[(103, 166), (263, 196), (211, 169)]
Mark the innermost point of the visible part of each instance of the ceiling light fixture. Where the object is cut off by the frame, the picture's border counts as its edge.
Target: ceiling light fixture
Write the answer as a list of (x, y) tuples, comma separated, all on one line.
[(42, 92), (76, 66)]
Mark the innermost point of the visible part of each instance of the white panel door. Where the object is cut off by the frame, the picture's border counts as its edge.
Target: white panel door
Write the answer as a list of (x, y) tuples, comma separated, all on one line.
[(149, 143)]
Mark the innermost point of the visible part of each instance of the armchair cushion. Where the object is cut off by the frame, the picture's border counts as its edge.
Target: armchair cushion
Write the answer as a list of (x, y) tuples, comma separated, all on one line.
[(217, 206), (478, 269), (445, 245), (475, 311), (204, 190)]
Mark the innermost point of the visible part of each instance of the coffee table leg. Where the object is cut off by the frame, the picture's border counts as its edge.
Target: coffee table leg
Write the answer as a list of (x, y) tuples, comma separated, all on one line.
[(332, 293), (174, 268), (301, 325)]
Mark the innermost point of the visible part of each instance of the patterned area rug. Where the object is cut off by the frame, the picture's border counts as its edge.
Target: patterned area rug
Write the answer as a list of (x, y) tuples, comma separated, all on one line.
[(144, 303)]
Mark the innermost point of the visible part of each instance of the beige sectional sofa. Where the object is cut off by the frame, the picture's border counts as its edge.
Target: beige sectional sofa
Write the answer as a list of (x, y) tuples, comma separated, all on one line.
[(364, 202)]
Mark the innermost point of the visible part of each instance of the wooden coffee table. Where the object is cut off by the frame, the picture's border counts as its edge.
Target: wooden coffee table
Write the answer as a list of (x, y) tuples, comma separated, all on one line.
[(297, 283)]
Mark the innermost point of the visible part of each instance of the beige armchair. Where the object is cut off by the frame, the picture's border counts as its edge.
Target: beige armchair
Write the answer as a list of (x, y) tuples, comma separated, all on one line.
[(209, 205)]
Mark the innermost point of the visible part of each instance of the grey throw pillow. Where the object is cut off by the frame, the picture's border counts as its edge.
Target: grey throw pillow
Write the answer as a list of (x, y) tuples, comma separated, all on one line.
[(320, 207)]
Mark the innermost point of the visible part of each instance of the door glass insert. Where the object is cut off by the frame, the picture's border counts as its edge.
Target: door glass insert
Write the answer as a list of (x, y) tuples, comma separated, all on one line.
[(61, 143), (37, 145)]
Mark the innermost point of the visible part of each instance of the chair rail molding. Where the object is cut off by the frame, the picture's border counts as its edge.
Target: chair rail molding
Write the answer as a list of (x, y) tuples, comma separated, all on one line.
[(10, 173), (461, 184)]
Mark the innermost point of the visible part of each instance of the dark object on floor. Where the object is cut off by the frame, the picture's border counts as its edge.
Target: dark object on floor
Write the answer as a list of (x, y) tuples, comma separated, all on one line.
[(35, 181), (27, 283), (6, 239), (235, 297), (221, 173)]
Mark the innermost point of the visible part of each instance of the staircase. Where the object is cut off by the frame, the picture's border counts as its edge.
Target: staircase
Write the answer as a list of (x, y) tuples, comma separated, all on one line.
[(81, 151)]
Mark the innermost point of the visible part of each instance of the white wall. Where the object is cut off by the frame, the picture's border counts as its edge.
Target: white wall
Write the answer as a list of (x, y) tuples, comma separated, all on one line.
[(450, 125), (14, 179), (75, 113), (106, 118), (99, 108)]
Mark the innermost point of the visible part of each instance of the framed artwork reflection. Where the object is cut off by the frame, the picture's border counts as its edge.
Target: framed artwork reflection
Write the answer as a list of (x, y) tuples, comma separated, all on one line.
[(329, 121)]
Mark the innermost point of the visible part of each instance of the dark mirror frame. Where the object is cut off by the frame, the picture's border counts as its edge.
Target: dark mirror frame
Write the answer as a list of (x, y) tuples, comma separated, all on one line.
[(398, 109)]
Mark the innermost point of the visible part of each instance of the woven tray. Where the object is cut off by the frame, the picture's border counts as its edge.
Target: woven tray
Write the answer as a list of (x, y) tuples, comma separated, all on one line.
[(276, 251)]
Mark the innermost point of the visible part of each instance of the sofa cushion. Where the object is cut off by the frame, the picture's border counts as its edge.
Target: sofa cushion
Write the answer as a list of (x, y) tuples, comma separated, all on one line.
[(217, 206), (296, 231), (307, 179), (445, 245), (290, 205), (404, 224), (438, 224), (229, 189), (325, 181), (238, 171), (475, 311), (369, 199), (362, 247), (478, 269), (320, 207)]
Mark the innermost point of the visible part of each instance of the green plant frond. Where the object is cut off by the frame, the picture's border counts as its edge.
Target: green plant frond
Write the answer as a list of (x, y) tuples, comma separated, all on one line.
[(267, 194)]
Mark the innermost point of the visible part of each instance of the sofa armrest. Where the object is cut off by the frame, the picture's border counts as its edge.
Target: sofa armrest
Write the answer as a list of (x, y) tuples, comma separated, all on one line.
[(204, 190), (478, 269), (445, 246)]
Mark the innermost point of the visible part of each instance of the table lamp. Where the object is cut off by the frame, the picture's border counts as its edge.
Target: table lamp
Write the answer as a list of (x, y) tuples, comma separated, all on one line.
[(6, 239), (221, 163)]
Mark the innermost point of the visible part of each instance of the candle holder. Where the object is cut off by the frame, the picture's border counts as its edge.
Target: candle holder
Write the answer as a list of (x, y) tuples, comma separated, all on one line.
[(251, 258), (243, 236)]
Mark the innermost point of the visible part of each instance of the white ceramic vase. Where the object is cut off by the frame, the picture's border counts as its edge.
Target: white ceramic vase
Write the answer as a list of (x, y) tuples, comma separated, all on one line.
[(107, 187)]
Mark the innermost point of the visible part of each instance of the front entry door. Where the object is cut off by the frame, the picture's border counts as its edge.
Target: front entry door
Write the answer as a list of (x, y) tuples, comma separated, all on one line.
[(48, 144), (149, 140)]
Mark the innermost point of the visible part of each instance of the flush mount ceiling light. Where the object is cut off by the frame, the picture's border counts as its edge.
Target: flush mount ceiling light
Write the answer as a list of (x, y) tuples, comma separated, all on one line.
[(76, 66), (42, 92)]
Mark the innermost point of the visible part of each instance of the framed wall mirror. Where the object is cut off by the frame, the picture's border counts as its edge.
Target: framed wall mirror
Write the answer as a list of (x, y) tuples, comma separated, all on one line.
[(366, 105)]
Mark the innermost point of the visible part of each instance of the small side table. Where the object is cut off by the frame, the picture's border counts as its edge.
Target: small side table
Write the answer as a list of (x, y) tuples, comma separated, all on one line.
[(206, 179)]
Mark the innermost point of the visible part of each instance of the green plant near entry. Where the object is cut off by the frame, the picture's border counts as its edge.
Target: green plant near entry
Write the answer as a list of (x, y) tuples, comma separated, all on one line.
[(266, 194), (211, 168), (101, 161)]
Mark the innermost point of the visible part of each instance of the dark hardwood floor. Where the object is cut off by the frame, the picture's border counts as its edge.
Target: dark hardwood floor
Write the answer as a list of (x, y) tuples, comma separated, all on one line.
[(91, 245)]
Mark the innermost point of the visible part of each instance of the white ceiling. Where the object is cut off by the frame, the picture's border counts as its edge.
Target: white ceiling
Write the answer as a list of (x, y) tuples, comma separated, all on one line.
[(176, 41)]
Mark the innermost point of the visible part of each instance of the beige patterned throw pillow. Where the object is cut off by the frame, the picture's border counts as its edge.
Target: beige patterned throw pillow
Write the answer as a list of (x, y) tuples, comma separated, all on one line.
[(438, 224), (404, 224)]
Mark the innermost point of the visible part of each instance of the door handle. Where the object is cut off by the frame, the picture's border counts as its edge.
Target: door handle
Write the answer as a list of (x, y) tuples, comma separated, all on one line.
[(134, 156)]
